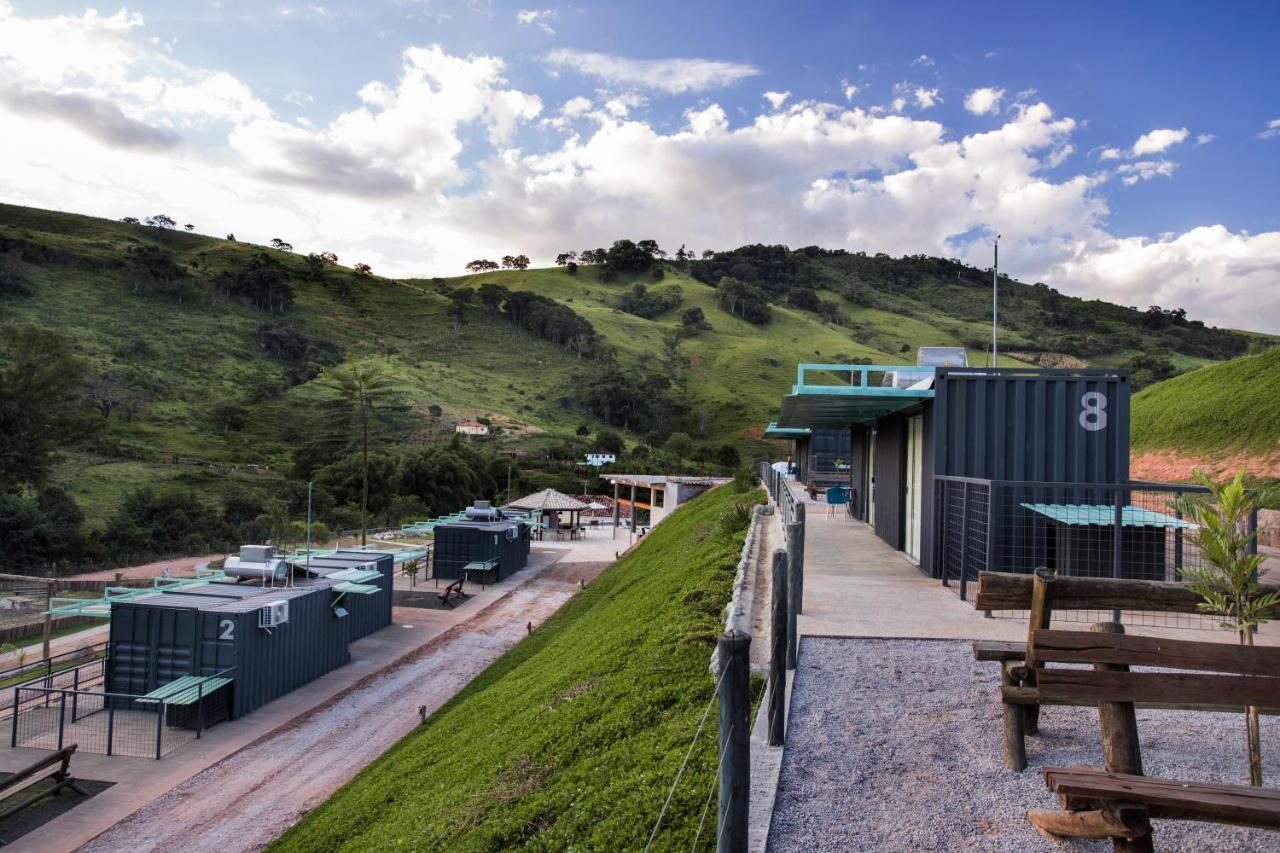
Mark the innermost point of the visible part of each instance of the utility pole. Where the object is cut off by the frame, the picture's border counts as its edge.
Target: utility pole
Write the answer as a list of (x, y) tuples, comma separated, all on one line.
[(995, 303)]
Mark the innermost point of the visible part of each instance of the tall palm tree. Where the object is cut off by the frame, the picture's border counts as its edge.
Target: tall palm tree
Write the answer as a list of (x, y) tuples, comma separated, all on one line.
[(360, 393)]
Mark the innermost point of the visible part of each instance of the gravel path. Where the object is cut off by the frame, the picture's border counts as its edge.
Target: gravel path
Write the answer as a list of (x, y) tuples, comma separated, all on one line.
[(895, 745)]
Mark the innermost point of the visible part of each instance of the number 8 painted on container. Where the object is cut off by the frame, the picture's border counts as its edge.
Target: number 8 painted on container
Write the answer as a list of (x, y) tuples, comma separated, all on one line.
[(1094, 416)]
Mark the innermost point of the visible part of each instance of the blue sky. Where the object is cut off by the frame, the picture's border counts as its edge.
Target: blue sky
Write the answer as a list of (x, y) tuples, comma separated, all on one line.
[(1123, 149)]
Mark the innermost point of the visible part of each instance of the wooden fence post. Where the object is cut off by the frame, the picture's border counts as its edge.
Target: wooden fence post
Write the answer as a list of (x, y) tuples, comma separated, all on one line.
[(798, 557), (735, 743), (781, 654), (795, 552)]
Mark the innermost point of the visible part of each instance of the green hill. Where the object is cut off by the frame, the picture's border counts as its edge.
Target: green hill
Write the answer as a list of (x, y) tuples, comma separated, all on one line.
[(202, 357), (1230, 407), (572, 739)]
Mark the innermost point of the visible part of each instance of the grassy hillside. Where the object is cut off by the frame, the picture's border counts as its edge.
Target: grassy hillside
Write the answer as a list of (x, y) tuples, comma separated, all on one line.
[(150, 311), (572, 739), (1228, 407)]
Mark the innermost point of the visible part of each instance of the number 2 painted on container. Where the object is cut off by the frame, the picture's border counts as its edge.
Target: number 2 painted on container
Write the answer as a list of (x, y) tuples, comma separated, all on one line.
[(1094, 414), (228, 629)]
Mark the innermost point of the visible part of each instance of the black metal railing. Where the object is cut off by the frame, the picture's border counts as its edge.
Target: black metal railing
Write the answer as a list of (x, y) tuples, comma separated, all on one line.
[(73, 706), (1130, 530)]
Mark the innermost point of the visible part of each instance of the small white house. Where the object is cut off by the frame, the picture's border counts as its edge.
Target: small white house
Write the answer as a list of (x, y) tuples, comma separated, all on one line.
[(597, 458), (471, 428)]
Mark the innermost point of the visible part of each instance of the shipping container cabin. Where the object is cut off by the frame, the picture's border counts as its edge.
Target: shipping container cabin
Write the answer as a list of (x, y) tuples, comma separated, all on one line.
[(462, 542), (364, 613), (909, 425), (820, 455), (273, 640)]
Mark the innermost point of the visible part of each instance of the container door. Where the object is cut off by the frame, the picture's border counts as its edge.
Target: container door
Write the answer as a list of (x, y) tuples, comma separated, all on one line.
[(871, 480), (914, 486)]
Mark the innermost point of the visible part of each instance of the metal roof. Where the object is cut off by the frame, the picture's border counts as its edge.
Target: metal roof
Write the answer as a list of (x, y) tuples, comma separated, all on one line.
[(647, 480), (1104, 515), (819, 406), (775, 431)]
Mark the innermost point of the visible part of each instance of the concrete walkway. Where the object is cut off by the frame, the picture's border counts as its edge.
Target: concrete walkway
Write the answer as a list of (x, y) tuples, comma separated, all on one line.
[(856, 585)]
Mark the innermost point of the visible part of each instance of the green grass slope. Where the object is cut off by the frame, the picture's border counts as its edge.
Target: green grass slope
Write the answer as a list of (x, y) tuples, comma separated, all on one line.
[(1226, 407), (572, 739), (177, 361)]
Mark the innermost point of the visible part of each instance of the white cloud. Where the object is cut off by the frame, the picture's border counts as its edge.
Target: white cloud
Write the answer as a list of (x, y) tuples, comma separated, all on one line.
[(1111, 154), (990, 54), (1272, 129), (926, 98), (299, 99), (848, 89), (1158, 140), (623, 104), (1145, 170), (539, 17), (400, 181), (667, 75), (922, 60), (984, 101), (777, 99), (1205, 138)]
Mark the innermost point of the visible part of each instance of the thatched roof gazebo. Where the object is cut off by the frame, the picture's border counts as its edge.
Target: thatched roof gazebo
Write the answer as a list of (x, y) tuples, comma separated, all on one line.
[(550, 501)]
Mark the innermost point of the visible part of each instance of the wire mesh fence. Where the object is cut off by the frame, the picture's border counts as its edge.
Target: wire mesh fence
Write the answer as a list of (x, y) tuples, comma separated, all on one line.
[(1132, 531), (73, 706)]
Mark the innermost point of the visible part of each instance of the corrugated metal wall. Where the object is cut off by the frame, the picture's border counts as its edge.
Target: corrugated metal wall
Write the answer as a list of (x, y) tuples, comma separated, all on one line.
[(859, 439), (366, 613), (462, 543), (825, 447), (1056, 426), (271, 663), (890, 471)]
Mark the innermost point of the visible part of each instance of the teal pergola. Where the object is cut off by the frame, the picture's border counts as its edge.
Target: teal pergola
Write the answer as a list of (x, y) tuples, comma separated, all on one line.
[(825, 406)]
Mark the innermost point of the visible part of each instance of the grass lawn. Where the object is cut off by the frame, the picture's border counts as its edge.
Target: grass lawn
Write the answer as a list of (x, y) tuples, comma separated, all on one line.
[(572, 739), (1231, 406)]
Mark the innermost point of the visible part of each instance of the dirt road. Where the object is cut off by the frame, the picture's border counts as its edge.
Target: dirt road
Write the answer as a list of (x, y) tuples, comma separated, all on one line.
[(249, 798), (180, 567)]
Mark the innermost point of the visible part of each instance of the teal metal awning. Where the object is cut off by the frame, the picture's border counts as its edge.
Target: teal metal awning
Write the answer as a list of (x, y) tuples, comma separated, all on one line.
[(775, 431), (831, 406), (1104, 515)]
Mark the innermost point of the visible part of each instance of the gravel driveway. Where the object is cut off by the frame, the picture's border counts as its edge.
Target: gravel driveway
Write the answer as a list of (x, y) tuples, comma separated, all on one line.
[(896, 745)]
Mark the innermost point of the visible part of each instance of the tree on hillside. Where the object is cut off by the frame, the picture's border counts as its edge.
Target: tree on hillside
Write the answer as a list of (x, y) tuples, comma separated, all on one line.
[(481, 265), (492, 296), (565, 258), (593, 256), (708, 254), (160, 220), (520, 262), (680, 445), (359, 394), (743, 300), (363, 269), (130, 220), (1229, 579), (41, 381), (189, 227), (608, 440), (458, 311), (277, 243)]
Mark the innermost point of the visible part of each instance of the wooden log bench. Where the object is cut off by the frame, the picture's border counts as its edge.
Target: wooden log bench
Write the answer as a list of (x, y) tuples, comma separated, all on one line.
[(1041, 594), (1100, 804), (1118, 802), (59, 762)]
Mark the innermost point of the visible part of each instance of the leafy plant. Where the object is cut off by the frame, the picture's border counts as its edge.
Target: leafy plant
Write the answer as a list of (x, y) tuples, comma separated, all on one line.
[(1228, 581)]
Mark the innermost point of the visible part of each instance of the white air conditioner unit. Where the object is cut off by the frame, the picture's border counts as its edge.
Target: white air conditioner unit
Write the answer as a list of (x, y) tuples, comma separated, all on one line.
[(273, 614)]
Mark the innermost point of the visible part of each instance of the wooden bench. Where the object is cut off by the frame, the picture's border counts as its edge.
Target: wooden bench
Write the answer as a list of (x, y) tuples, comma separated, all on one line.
[(59, 762), (1118, 802), (1100, 804), (453, 590), (1041, 594)]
